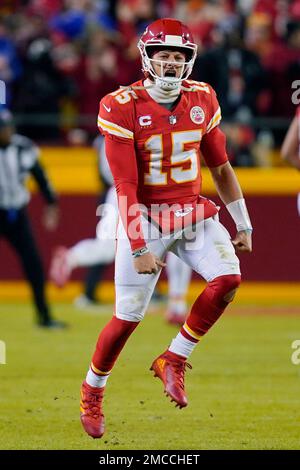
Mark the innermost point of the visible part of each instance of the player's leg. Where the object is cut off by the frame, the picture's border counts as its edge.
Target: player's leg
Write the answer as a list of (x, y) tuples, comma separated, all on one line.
[(179, 276), (89, 252), (133, 293), (211, 255), (93, 277), (97, 255)]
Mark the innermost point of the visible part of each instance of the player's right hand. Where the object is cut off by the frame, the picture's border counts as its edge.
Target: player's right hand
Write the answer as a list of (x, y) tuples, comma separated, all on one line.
[(243, 241), (148, 264)]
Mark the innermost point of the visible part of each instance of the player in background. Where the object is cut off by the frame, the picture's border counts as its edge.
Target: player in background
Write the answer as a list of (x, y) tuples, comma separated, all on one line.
[(19, 159), (101, 250), (290, 149), (153, 133)]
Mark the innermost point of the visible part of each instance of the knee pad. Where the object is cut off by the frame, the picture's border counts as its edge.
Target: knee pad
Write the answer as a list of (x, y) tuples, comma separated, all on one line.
[(223, 288)]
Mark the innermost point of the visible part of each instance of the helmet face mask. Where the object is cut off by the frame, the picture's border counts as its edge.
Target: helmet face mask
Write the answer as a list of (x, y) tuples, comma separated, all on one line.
[(167, 35)]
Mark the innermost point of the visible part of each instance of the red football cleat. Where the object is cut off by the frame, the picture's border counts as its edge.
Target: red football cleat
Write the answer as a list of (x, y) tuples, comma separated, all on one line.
[(60, 271), (175, 318), (91, 416), (170, 370)]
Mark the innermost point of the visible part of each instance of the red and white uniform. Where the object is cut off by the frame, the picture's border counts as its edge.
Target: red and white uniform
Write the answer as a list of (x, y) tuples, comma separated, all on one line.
[(154, 155), (160, 158)]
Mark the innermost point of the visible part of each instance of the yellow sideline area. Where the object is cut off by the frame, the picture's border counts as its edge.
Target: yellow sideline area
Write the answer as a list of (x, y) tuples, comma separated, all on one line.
[(255, 293), (74, 171)]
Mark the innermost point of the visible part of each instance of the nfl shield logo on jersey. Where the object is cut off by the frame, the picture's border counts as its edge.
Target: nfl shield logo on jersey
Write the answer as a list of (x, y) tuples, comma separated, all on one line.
[(197, 114), (172, 119)]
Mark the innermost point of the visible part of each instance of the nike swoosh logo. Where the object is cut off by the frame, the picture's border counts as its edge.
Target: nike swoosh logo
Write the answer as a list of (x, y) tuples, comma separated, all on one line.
[(107, 109), (183, 212)]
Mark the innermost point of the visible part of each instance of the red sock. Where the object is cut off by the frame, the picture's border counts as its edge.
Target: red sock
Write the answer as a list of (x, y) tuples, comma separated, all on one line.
[(209, 306), (110, 343)]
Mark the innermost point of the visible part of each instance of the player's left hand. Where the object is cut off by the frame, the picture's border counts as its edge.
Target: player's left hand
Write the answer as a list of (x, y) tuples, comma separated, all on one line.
[(243, 241), (51, 217)]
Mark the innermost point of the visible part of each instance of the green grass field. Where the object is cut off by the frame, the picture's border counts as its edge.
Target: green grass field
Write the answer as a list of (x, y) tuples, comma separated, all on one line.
[(243, 389)]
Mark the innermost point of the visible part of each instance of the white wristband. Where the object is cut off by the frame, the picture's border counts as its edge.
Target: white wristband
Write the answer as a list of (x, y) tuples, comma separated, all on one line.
[(238, 211)]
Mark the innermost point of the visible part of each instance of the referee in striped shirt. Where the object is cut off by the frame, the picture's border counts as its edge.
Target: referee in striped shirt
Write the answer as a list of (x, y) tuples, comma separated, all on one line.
[(18, 158)]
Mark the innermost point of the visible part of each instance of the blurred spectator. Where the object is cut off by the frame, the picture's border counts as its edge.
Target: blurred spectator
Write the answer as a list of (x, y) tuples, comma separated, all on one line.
[(60, 57), (234, 72), (71, 23), (26, 29), (240, 139), (202, 17), (96, 75), (10, 66), (40, 91), (8, 7), (259, 34), (132, 17), (283, 66)]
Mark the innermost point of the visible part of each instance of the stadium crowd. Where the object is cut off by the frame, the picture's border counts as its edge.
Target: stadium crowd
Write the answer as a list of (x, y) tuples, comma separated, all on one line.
[(58, 58)]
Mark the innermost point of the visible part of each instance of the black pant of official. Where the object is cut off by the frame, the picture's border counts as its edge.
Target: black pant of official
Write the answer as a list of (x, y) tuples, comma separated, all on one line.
[(16, 229), (93, 278)]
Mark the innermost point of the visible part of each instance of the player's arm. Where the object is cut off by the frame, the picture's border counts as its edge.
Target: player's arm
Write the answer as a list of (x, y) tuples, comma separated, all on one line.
[(121, 157), (290, 148), (51, 211), (213, 147), (45, 187), (115, 123)]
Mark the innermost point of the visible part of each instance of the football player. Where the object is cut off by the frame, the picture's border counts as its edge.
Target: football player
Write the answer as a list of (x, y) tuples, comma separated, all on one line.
[(290, 150), (154, 131)]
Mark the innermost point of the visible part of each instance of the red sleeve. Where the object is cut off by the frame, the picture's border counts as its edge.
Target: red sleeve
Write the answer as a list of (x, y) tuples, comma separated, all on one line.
[(213, 148), (115, 116), (121, 157), (116, 123), (214, 112)]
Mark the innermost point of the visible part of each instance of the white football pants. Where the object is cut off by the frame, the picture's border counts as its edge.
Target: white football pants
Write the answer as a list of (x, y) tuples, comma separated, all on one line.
[(210, 254), (101, 250)]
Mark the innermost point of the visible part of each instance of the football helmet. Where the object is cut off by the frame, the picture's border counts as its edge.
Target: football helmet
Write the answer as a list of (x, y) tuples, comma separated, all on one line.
[(167, 33)]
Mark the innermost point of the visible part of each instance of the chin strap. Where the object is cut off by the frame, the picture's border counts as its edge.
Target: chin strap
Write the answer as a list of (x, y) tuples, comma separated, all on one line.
[(146, 87), (157, 93), (141, 87)]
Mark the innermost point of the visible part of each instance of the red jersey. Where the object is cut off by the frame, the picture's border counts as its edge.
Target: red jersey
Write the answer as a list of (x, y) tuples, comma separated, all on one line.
[(153, 152)]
